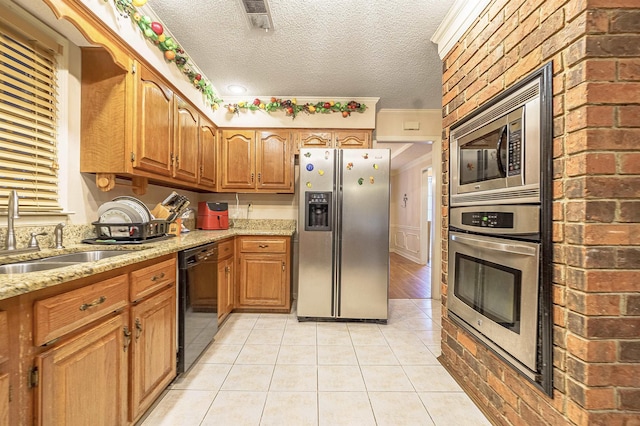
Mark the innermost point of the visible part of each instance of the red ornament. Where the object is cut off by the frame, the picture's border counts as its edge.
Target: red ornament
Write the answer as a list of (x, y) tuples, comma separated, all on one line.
[(198, 77), (327, 105), (157, 28), (256, 101)]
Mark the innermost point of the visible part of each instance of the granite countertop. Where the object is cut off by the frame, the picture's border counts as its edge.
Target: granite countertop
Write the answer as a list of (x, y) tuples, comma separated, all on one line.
[(16, 284)]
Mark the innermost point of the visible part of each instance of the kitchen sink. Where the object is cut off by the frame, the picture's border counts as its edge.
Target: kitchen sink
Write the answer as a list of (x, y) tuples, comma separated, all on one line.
[(31, 266), (84, 256), (59, 261)]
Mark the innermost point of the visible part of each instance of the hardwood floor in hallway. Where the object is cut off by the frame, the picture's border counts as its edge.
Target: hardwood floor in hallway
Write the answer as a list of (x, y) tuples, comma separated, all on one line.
[(407, 279)]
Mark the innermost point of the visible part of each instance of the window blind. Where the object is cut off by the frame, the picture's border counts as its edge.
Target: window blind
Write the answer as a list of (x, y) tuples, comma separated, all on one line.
[(28, 124)]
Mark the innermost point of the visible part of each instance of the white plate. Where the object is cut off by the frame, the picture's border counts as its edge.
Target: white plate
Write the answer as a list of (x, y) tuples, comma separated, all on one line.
[(137, 205), (115, 215)]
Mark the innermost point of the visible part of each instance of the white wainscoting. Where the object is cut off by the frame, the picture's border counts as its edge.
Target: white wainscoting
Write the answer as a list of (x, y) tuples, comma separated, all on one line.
[(405, 241)]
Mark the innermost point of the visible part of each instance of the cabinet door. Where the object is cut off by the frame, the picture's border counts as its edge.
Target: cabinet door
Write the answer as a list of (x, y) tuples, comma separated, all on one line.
[(353, 139), (263, 280), (83, 381), (153, 365), (274, 161), (314, 139), (207, 160), (237, 160), (153, 124), (4, 399), (186, 142), (226, 286)]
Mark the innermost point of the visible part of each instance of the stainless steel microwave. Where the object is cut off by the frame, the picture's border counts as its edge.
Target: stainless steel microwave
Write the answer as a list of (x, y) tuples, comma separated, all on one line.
[(495, 155)]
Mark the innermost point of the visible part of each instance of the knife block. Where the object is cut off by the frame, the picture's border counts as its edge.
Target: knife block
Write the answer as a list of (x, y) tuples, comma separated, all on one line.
[(161, 212)]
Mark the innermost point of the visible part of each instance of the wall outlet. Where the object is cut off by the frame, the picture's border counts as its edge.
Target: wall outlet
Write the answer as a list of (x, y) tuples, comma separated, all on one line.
[(250, 207)]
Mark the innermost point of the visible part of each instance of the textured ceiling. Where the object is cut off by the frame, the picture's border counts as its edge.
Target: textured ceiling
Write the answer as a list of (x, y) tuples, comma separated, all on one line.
[(324, 48)]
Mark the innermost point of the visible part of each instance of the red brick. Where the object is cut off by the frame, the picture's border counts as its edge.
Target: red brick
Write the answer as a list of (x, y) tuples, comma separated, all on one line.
[(609, 418), (468, 342), (600, 398), (608, 186), (597, 21), (505, 393), (603, 140), (632, 305), (611, 328), (629, 116), (629, 399), (612, 93), (612, 4), (527, 64), (577, 414), (612, 234), (590, 116), (591, 164), (625, 21), (612, 46), (629, 69), (629, 350), (629, 163), (601, 374), (593, 304), (629, 211), (592, 350), (612, 281)]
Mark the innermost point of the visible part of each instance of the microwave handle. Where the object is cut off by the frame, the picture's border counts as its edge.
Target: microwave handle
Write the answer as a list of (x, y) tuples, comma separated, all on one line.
[(503, 135), (513, 248)]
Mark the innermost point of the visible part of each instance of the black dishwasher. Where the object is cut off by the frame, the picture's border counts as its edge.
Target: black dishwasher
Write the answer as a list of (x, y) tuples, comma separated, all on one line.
[(197, 302)]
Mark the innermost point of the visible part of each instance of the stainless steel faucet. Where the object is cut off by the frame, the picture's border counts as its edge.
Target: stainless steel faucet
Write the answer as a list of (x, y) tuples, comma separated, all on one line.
[(12, 213), (57, 233)]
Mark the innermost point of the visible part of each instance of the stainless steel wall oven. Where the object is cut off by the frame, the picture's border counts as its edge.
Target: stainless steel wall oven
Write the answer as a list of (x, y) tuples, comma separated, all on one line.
[(500, 226)]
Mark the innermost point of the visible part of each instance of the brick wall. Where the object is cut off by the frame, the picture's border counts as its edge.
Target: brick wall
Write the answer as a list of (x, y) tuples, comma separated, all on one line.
[(595, 49)]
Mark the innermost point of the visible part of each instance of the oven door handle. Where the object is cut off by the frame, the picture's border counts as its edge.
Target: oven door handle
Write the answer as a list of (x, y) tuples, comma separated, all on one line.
[(513, 248)]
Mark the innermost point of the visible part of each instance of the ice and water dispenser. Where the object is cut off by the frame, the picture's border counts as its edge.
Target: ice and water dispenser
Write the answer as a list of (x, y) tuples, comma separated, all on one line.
[(317, 211)]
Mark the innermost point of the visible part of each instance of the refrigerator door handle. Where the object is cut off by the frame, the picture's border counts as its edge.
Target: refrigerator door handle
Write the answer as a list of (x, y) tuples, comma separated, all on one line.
[(338, 234)]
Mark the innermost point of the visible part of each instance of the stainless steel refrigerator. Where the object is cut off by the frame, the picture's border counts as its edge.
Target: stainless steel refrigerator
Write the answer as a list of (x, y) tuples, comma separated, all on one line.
[(343, 226)]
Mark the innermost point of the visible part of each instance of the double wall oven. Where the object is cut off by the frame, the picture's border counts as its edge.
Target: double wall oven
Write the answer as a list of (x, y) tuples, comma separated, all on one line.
[(500, 226)]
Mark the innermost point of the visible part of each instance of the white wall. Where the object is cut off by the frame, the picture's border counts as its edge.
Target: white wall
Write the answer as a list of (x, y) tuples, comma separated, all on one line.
[(405, 221)]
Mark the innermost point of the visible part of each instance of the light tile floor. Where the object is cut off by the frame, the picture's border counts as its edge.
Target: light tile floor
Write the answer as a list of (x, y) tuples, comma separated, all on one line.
[(269, 369)]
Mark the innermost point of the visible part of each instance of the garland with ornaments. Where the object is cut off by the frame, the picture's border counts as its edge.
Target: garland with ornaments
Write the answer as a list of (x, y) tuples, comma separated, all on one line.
[(291, 107), (154, 32)]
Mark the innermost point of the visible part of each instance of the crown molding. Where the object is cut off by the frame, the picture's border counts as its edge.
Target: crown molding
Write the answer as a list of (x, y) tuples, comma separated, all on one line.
[(457, 21)]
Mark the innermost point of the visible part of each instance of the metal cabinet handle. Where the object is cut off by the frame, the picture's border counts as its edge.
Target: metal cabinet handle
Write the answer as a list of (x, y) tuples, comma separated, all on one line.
[(157, 277), (283, 266), (138, 328), (127, 338), (96, 302), (252, 177), (259, 177), (263, 245)]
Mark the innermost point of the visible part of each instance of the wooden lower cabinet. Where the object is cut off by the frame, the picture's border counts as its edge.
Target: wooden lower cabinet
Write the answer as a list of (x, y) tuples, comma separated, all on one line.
[(83, 379), (226, 288), (265, 273), (153, 349)]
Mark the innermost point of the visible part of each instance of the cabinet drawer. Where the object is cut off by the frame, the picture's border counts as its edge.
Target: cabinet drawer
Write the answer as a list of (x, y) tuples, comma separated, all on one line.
[(59, 315), (147, 280), (225, 248), (263, 245)]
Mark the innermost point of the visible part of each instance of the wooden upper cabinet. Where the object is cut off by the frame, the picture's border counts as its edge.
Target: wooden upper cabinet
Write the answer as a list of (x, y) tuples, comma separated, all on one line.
[(352, 139), (314, 139), (256, 161), (274, 162), (153, 147), (237, 154), (186, 141), (321, 138), (207, 157)]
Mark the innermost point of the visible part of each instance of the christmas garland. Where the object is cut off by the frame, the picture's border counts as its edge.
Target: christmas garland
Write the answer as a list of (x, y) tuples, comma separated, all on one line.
[(154, 32), (291, 107)]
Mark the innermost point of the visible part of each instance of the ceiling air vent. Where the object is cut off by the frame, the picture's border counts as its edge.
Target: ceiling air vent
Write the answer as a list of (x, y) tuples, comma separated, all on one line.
[(258, 14)]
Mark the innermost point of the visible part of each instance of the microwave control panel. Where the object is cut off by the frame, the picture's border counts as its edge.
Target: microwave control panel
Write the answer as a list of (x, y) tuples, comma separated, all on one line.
[(514, 164), (488, 219)]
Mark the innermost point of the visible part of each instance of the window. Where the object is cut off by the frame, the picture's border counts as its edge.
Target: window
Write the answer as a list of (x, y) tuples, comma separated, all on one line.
[(28, 117)]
